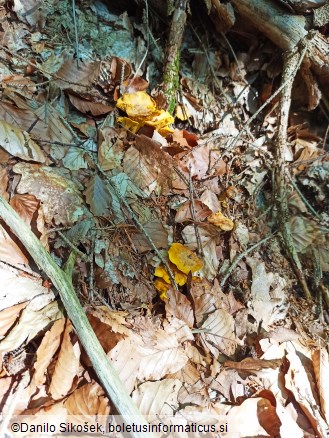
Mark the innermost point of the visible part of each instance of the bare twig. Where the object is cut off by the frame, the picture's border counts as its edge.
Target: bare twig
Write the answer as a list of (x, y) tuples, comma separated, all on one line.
[(292, 62), (192, 210), (77, 54), (239, 257)]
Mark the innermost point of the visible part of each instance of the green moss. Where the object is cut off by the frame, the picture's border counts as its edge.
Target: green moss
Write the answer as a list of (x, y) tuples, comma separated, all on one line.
[(171, 81)]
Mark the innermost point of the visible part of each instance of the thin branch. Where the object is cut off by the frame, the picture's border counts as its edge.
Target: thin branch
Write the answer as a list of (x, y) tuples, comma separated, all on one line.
[(192, 210), (239, 257), (292, 61), (77, 54)]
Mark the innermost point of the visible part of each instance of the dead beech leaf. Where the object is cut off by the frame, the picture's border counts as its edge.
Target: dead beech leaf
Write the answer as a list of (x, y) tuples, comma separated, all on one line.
[(84, 74), (26, 206), (209, 198), (19, 143), (48, 347), (98, 196), (201, 212), (149, 167), (112, 147), (10, 252), (256, 417), (320, 360), (157, 398), (59, 196), (126, 357), (221, 221), (67, 366), (162, 351), (33, 319), (86, 106), (13, 280), (89, 400), (218, 333), (251, 365), (298, 381), (185, 259), (180, 307), (156, 231), (4, 183), (9, 316)]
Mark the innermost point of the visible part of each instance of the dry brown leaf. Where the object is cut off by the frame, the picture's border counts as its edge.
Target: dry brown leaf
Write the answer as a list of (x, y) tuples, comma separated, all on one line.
[(321, 369), (209, 198), (9, 316), (251, 365), (46, 351), (34, 318), (26, 206), (86, 106), (88, 400), (149, 168), (162, 350), (19, 143), (60, 197), (255, 417), (126, 357), (179, 306), (4, 183), (85, 74), (67, 366), (111, 148), (267, 294), (156, 231), (13, 280), (218, 333), (25, 118), (201, 212), (298, 382), (157, 398), (10, 251)]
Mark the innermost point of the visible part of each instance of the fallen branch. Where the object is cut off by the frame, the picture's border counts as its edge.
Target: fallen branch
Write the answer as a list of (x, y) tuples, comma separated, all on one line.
[(107, 374), (291, 61), (286, 30)]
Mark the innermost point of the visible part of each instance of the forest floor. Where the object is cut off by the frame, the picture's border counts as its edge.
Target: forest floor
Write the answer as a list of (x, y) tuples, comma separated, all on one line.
[(168, 225)]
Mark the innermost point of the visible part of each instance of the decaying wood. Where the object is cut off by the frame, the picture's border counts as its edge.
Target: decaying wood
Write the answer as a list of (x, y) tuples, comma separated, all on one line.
[(286, 30), (172, 54), (291, 62), (107, 374)]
